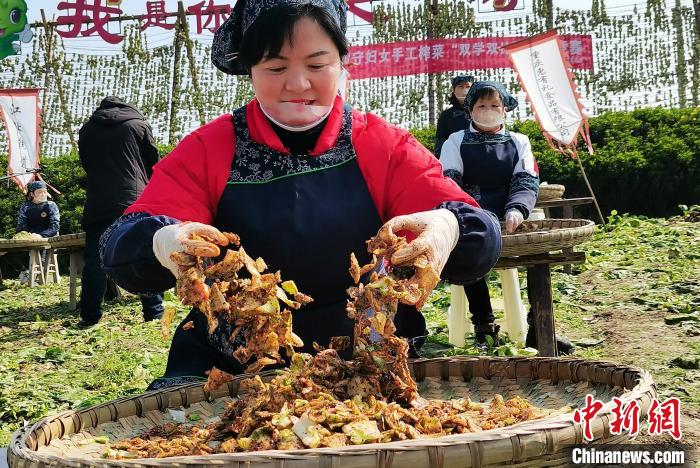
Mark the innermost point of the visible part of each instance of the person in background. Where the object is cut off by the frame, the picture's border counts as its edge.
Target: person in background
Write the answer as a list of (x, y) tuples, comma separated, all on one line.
[(456, 117), (38, 215), (117, 151), (498, 169), (304, 180)]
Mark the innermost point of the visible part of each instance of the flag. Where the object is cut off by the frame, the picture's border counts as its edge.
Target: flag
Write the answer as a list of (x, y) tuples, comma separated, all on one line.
[(19, 110), (545, 76)]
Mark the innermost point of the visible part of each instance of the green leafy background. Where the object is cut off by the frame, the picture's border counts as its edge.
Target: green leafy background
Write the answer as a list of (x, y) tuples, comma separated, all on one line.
[(644, 162)]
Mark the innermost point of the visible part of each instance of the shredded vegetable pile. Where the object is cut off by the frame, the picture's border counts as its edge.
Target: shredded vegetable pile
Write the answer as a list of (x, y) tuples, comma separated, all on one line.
[(239, 291), (320, 400)]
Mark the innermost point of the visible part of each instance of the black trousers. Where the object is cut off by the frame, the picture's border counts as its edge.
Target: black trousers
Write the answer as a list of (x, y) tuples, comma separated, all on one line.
[(479, 302), (94, 282)]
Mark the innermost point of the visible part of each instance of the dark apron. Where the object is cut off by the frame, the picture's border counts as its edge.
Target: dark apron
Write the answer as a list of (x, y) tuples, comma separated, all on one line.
[(38, 217), (303, 215), (488, 168)]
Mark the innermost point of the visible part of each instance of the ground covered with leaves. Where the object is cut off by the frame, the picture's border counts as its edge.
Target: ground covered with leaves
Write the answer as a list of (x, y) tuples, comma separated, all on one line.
[(635, 301)]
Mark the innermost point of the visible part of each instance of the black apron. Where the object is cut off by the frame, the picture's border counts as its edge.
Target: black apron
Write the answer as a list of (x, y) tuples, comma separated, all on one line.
[(38, 217), (488, 168), (303, 215)]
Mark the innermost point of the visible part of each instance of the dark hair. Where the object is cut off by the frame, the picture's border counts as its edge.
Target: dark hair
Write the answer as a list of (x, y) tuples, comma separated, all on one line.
[(485, 92), (452, 99), (268, 33), (461, 79)]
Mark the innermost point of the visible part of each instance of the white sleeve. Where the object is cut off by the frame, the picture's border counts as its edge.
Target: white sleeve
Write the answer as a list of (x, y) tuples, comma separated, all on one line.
[(450, 157), (526, 160)]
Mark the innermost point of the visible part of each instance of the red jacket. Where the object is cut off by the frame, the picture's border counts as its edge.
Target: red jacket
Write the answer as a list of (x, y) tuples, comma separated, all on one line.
[(402, 176)]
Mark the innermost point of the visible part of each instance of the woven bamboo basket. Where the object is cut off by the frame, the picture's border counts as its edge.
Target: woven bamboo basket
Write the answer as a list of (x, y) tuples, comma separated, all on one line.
[(547, 382), (550, 192), (547, 235), (67, 240)]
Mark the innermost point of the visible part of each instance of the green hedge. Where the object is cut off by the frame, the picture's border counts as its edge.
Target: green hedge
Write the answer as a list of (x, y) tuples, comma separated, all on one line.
[(644, 162), (67, 175), (64, 173)]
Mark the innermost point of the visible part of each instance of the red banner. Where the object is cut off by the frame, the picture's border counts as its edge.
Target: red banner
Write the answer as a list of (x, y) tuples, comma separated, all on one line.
[(443, 55)]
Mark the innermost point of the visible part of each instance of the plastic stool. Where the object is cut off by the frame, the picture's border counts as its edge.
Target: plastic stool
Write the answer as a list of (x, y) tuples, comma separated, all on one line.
[(515, 314), (51, 274), (36, 268), (536, 215), (459, 322), (458, 325)]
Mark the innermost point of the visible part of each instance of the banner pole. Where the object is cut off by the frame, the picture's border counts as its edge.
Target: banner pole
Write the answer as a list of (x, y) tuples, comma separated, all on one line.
[(590, 189), (193, 65), (52, 64), (175, 94)]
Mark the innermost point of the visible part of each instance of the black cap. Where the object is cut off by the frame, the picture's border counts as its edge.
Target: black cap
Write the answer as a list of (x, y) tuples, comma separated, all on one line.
[(461, 79), (36, 185), (225, 49)]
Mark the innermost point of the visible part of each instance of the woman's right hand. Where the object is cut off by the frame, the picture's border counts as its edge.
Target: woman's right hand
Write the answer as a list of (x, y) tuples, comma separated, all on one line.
[(176, 238)]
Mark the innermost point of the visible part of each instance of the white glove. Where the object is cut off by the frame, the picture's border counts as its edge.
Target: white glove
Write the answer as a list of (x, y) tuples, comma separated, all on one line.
[(514, 218), (437, 231), (176, 238)]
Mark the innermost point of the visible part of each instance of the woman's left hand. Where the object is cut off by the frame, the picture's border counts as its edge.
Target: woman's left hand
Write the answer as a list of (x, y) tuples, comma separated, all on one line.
[(437, 231), (514, 218)]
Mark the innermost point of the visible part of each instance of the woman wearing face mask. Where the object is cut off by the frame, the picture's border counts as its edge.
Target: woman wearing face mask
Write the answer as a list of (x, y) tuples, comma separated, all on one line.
[(456, 117), (38, 215), (497, 168), (302, 178)]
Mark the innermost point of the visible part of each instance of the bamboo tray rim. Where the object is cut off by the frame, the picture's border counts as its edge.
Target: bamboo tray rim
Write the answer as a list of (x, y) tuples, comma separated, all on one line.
[(67, 240), (549, 186), (561, 234), (583, 224), (550, 191), (75, 235)]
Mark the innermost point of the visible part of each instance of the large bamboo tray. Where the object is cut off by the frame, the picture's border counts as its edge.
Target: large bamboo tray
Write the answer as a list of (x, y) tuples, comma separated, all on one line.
[(547, 235), (547, 382), (550, 192)]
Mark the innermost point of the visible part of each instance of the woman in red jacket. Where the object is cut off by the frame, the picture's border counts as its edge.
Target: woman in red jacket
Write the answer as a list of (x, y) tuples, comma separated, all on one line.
[(302, 178)]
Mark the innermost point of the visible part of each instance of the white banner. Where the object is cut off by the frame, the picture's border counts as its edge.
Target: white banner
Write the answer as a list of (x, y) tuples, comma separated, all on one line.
[(19, 109), (546, 79), (498, 10)]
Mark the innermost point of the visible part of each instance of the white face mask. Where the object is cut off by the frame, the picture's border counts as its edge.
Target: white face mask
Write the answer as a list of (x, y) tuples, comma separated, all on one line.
[(488, 118), (318, 112)]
